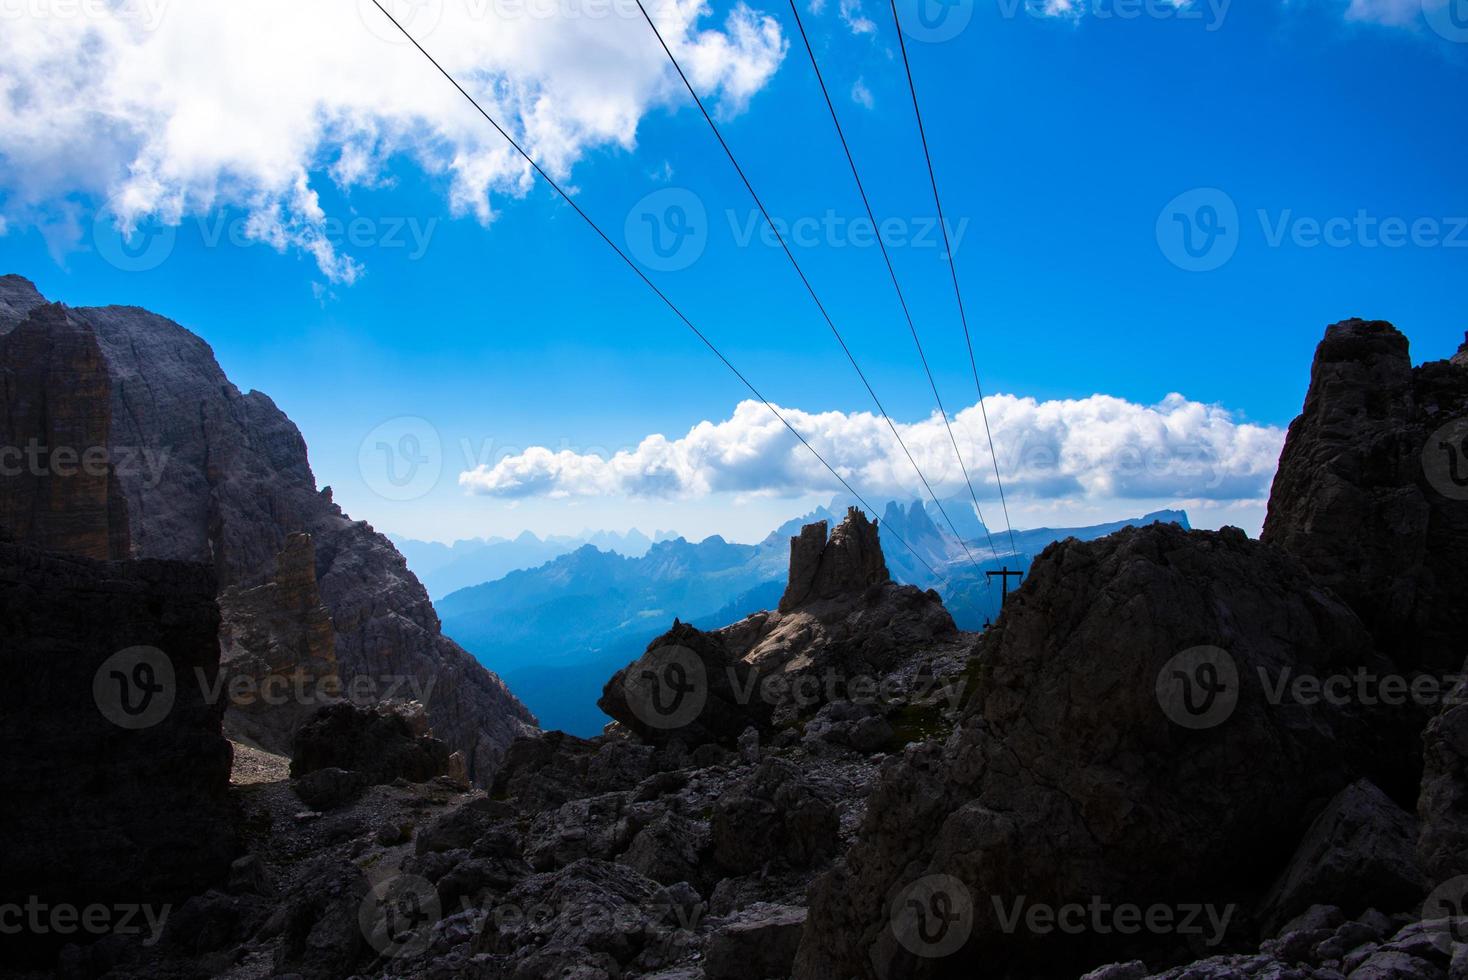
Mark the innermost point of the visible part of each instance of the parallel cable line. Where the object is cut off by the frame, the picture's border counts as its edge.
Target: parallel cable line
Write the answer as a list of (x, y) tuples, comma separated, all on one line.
[(643, 276), (953, 270), (892, 272), (804, 280)]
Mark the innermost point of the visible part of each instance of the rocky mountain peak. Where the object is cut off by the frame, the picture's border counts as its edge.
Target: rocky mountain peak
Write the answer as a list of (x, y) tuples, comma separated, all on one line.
[(847, 564), (1357, 500), (18, 296), (1461, 358), (145, 449)]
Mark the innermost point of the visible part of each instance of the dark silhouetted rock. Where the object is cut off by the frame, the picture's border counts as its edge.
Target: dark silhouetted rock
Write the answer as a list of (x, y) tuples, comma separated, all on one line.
[(1442, 806), (846, 565), (1358, 854), (378, 743), (1069, 780), (1354, 501), (688, 688), (326, 789), (115, 778)]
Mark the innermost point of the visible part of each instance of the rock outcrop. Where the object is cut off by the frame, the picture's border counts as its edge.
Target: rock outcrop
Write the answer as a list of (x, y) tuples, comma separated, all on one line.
[(842, 625), (846, 565), (201, 472), (1359, 853), (1371, 487), (688, 688), (380, 744), (279, 646), (1125, 744), (115, 774)]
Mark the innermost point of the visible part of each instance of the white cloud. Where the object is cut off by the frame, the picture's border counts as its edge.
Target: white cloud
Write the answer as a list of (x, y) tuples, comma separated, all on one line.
[(173, 108), (862, 95), (855, 18), (1092, 448)]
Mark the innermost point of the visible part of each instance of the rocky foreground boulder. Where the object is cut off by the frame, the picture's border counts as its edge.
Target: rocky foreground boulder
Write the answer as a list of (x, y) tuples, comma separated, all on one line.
[(1125, 743), (115, 777), (146, 450)]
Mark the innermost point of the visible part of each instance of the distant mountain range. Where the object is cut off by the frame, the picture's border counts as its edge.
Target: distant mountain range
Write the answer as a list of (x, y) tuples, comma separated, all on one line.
[(445, 568), (557, 630)]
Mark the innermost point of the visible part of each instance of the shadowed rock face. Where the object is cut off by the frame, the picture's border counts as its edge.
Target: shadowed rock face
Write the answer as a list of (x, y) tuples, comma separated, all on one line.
[(96, 812), (221, 477), (850, 562), (1359, 496), (280, 637), (1070, 779), (59, 488)]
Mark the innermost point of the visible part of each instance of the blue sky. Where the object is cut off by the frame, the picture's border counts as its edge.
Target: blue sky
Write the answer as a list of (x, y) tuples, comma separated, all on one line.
[(1060, 142)]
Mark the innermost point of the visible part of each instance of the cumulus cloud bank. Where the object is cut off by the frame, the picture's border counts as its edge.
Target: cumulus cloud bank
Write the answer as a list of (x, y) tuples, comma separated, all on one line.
[(185, 106), (1097, 447)]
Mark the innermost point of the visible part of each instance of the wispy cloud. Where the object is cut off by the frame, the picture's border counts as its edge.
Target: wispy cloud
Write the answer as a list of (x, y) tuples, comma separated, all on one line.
[(862, 95)]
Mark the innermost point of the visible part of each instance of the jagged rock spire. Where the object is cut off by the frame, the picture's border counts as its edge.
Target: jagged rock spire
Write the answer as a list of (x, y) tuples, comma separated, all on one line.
[(846, 565), (1461, 358)]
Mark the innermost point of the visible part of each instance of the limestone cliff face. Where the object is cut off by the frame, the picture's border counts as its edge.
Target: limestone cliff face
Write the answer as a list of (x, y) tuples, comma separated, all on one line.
[(18, 296), (1363, 499), (58, 482), (218, 476)]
